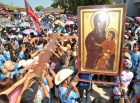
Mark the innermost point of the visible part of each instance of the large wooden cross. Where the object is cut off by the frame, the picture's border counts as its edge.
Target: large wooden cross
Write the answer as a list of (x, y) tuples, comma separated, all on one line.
[(44, 56)]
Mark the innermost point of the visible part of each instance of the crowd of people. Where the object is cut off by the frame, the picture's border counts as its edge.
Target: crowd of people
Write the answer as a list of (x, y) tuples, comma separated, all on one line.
[(20, 52)]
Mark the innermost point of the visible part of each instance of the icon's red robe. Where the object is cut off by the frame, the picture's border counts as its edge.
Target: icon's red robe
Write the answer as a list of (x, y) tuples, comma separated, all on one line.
[(92, 49)]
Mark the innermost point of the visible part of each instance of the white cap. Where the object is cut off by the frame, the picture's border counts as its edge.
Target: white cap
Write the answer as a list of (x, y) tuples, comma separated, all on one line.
[(20, 36)]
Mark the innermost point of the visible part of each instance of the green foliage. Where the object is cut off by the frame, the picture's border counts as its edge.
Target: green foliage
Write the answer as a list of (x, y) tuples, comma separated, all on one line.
[(9, 7), (72, 5), (39, 8)]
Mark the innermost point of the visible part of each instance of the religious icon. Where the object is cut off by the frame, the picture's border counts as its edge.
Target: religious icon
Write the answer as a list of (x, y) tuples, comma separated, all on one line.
[(100, 38)]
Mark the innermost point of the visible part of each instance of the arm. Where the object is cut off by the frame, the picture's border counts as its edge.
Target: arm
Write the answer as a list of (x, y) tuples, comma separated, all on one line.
[(34, 54), (53, 74), (125, 99), (74, 83), (13, 46), (8, 91), (59, 52), (28, 67), (60, 46), (50, 83), (44, 89), (34, 39), (55, 54)]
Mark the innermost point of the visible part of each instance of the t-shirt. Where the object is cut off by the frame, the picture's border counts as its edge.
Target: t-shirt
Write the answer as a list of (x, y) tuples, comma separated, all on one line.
[(39, 47), (11, 37), (2, 76), (40, 92), (21, 55), (137, 77), (15, 72), (135, 60), (126, 78), (2, 60), (62, 93), (87, 77), (7, 55), (14, 95), (3, 40), (53, 65)]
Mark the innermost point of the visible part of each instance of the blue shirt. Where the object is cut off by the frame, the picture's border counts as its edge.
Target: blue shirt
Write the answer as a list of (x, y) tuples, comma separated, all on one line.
[(87, 77), (3, 40), (15, 72), (7, 55), (45, 80), (2, 76), (59, 30), (62, 93), (2, 60), (135, 60), (39, 47), (21, 55)]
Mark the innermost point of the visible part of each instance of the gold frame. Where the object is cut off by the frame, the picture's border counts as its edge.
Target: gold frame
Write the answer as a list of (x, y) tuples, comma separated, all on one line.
[(113, 17)]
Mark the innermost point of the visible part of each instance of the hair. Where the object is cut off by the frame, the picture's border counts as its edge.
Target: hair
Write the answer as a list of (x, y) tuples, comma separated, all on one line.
[(4, 98), (28, 50), (27, 56), (32, 35), (72, 46), (16, 77), (129, 46), (113, 34), (95, 23), (97, 100), (136, 44), (5, 84), (6, 45), (132, 34), (14, 58), (63, 59), (21, 47)]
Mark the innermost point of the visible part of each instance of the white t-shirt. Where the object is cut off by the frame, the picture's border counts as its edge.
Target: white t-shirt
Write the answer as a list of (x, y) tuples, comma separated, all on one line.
[(40, 92), (126, 79)]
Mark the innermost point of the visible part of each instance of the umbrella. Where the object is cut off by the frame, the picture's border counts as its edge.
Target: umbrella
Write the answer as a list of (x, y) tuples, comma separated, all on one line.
[(59, 22), (7, 24), (130, 19), (24, 24), (68, 22), (63, 19), (138, 19), (45, 19), (45, 25), (28, 31)]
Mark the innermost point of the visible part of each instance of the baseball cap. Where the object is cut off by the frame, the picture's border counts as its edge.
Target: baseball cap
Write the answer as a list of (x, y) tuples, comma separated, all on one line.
[(128, 63), (28, 95)]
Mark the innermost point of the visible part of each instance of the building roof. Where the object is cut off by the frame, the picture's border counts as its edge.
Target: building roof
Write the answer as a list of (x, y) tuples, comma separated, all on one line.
[(18, 7), (51, 10), (2, 4)]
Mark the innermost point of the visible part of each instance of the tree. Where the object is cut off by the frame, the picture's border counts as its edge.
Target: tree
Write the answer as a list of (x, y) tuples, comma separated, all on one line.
[(39, 8), (73, 4), (62, 3)]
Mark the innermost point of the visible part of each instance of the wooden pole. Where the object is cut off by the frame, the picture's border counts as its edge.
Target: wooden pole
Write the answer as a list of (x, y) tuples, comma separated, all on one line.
[(45, 56)]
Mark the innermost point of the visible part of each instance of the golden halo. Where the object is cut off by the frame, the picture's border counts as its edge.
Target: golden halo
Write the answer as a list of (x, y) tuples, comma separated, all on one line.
[(111, 29), (105, 15)]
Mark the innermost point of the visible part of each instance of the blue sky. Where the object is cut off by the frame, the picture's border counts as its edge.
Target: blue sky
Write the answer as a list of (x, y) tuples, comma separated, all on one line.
[(33, 3)]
